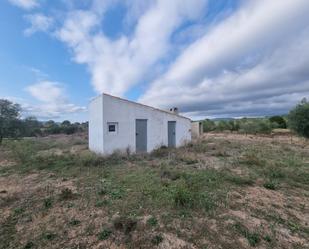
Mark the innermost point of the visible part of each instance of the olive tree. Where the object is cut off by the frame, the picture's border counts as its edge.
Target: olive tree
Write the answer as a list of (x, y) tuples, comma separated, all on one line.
[(9, 119)]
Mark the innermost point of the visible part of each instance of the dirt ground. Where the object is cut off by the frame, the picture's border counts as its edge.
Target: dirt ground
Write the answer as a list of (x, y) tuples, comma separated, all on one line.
[(260, 199)]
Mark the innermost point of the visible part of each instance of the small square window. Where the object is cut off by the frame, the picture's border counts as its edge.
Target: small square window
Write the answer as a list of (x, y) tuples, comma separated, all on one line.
[(112, 128)]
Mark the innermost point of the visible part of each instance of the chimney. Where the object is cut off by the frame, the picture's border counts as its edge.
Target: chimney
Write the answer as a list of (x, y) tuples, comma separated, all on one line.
[(174, 110)]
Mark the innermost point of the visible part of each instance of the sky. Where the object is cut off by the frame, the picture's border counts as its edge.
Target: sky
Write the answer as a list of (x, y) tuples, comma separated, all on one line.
[(209, 58)]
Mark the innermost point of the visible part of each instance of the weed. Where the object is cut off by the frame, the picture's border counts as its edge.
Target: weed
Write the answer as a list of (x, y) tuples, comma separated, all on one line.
[(116, 194), (252, 158), (125, 224), (18, 210), (91, 160), (23, 150), (188, 160), (270, 185), (252, 237), (168, 174), (238, 180), (74, 222), (101, 203), (48, 202), (152, 221), (294, 227), (161, 152), (66, 194), (49, 235), (274, 173), (267, 238), (182, 197), (157, 239), (29, 245), (104, 234)]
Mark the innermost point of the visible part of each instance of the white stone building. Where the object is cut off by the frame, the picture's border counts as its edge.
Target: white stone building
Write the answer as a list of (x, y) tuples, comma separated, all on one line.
[(196, 129), (117, 124)]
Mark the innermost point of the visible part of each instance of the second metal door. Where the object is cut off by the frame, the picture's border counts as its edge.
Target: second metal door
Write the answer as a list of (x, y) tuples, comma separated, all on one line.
[(141, 135), (171, 129)]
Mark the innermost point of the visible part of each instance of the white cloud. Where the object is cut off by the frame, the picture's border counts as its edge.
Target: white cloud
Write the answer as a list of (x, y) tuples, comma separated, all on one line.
[(247, 63), (38, 22), (117, 65), (53, 102), (25, 4)]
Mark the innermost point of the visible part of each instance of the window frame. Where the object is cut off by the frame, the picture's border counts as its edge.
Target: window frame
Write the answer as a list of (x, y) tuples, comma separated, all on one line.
[(115, 124)]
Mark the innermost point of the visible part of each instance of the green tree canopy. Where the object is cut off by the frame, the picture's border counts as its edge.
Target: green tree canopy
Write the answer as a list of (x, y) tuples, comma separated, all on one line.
[(278, 121), (298, 119), (9, 117)]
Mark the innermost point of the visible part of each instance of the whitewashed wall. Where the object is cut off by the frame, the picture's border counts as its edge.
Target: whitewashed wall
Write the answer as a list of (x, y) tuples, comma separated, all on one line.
[(196, 129), (96, 125), (125, 113)]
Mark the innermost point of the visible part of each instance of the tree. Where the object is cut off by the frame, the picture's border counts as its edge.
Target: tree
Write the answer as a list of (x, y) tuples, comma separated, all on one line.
[(208, 125), (223, 126), (298, 118), (255, 126), (31, 127), (9, 116), (278, 122), (66, 123)]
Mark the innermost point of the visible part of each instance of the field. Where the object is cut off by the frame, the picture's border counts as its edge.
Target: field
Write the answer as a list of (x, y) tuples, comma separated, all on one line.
[(222, 191)]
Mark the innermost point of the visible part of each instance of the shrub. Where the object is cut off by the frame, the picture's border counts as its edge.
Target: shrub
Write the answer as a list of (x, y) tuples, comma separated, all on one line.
[(208, 125), (23, 151), (66, 194), (234, 125), (104, 234), (239, 180), (49, 235), (252, 237), (91, 160), (298, 119), (278, 122), (157, 239), (270, 185), (255, 126), (29, 245), (161, 152), (182, 197), (18, 210), (223, 126), (152, 221), (125, 224), (48, 203)]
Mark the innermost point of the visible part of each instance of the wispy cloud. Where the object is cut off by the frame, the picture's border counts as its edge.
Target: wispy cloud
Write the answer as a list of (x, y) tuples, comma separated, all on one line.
[(53, 101), (250, 61), (254, 62), (117, 65), (38, 23), (25, 4)]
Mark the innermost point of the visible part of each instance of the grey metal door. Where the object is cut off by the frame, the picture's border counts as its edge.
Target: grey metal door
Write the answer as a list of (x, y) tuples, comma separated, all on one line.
[(171, 133), (141, 135)]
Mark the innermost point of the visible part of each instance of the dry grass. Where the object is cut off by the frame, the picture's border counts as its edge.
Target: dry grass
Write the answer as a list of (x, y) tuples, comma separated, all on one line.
[(223, 191)]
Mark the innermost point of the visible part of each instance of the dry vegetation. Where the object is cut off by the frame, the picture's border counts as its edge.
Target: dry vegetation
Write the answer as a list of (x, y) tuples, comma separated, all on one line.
[(224, 191)]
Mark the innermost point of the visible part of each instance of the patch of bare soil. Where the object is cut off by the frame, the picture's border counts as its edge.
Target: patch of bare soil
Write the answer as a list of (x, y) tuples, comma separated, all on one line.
[(171, 241), (273, 212), (252, 139)]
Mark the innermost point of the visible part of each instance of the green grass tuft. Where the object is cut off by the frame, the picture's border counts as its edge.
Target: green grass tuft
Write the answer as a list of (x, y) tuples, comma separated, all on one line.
[(104, 234)]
